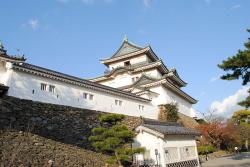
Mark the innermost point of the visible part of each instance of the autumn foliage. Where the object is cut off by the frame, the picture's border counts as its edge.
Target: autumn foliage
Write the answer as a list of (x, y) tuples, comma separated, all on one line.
[(218, 133)]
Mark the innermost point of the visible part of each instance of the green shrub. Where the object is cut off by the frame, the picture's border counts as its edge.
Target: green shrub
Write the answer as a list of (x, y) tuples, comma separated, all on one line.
[(211, 149), (114, 138), (203, 149), (169, 113), (111, 118)]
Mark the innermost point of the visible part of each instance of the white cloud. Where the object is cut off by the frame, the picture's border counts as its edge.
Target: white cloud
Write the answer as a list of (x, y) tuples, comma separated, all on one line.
[(213, 79), (33, 23), (236, 6), (142, 32), (147, 3), (208, 1), (203, 93), (230, 104)]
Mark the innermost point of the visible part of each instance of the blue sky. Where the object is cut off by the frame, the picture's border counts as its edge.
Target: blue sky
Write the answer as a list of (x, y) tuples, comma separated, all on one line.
[(191, 35)]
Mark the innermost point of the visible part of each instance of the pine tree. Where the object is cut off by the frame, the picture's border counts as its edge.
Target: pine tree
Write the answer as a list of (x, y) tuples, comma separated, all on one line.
[(115, 139), (245, 103), (238, 66), (241, 118)]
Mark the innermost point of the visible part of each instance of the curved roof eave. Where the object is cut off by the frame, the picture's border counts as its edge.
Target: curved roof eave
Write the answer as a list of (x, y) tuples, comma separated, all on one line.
[(146, 50)]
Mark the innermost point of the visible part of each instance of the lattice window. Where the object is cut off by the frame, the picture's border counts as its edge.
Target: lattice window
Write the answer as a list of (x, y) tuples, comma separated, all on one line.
[(43, 86), (141, 107), (118, 102), (171, 154), (187, 152), (91, 97), (85, 95), (52, 88), (190, 163)]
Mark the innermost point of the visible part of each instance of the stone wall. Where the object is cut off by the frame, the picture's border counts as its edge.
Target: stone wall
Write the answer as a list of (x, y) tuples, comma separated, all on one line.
[(184, 120), (23, 149), (33, 132)]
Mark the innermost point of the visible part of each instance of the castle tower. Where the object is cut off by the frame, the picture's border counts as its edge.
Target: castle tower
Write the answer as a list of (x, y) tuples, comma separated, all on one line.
[(139, 70)]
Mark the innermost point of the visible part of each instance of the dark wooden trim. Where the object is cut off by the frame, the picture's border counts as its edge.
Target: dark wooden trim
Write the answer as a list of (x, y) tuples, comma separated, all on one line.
[(3, 90)]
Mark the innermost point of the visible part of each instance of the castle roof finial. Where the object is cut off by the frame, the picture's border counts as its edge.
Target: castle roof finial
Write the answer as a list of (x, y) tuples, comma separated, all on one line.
[(125, 38)]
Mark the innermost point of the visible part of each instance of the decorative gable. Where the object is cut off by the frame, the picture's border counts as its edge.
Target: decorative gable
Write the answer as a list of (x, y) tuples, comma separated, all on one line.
[(144, 79), (126, 48)]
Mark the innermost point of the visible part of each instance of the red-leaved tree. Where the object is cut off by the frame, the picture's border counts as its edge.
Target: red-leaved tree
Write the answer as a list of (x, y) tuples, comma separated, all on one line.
[(219, 133)]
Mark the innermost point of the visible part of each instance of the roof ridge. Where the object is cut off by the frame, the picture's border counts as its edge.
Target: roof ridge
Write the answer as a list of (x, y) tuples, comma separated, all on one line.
[(158, 122), (122, 45)]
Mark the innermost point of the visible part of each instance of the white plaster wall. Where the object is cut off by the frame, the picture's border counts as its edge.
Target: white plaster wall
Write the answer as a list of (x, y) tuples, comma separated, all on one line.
[(22, 84), (5, 73), (119, 81), (154, 73), (135, 60), (126, 79), (151, 142), (2, 72), (181, 142), (167, 96)]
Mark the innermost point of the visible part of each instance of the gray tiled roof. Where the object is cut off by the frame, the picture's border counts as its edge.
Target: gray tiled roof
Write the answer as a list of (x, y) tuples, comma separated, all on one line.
[(126, 68), (3, 88), (14, 58), (129, 68), (126, 48), (168, 128)]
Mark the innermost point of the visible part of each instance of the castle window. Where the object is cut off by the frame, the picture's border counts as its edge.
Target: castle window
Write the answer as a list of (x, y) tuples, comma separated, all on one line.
[(135, 79), (91, 97), (118, 102), (141, 107), (43, 86), (127, 63), (88, 96), (33, 91), (52, 88), (171, 154), (85, 95)]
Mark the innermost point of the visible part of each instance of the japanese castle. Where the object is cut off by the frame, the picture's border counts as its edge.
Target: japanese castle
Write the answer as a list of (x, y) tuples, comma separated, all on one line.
[(135, 83), (139, 71)]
